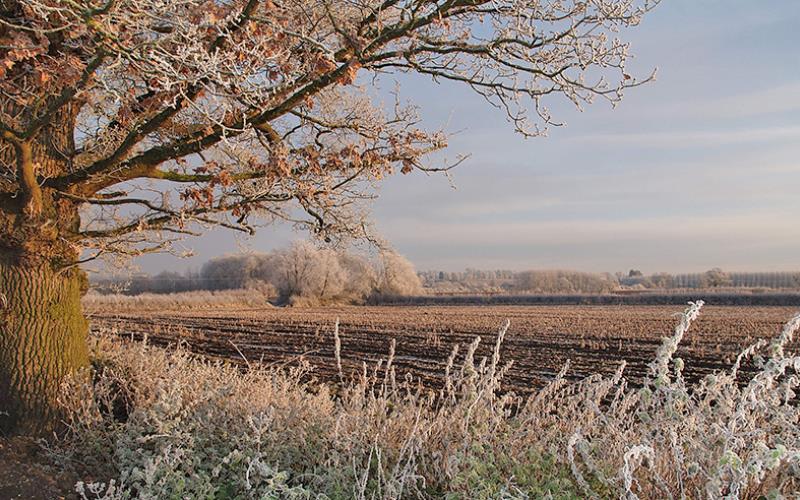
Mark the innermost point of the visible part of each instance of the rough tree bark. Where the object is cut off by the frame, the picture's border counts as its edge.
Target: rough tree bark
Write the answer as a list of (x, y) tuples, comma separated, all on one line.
[(42, 328), (43, 340)]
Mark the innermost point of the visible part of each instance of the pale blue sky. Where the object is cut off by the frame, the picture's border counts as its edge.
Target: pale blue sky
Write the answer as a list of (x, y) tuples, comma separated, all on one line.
[(700, 168)]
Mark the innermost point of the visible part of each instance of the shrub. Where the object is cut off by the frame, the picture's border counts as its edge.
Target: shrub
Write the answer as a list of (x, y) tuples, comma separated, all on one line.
[(563, 282), (397, 276), (301, 274)]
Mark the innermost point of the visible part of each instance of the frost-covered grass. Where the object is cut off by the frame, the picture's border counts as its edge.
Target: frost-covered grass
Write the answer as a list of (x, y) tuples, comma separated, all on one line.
[(165, 424), (200, 299)]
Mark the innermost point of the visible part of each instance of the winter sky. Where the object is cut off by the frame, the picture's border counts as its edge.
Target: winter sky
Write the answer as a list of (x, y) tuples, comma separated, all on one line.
[(700, 168)]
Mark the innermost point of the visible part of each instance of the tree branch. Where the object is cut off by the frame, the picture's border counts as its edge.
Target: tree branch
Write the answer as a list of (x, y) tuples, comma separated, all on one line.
[(140, 132), (66, 95)]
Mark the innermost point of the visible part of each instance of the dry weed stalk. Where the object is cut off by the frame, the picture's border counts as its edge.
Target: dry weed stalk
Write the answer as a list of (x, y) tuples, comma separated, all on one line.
[(170, 424)]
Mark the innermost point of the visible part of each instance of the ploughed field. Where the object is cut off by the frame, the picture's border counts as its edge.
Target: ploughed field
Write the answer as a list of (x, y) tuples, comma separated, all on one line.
[(539, 341)]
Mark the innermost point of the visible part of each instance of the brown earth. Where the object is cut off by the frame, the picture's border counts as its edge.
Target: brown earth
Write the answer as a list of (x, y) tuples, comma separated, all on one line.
[(540, 339), (26, 473)]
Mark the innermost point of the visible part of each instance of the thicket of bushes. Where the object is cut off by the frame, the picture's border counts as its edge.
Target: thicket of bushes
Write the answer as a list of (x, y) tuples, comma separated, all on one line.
[(475, 281), (299, 274), (170, 425), (737, 298), (306, 274), (522, 282), (563, 282)]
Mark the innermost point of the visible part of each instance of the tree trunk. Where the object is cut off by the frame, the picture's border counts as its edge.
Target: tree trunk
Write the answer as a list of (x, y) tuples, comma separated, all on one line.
[(42, 341), (42, 328)]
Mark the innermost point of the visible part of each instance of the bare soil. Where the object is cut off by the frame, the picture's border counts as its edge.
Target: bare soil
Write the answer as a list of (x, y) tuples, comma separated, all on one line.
[(26, 473), (540, 340)]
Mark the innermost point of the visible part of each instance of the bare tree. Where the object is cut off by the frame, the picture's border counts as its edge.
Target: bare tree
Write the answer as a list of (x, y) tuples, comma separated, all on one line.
[(301, 273), (232, 271), (716, 277), (563, 282), (125, 124), (398, 276), (308, 275), (662, 280), (362, 277)]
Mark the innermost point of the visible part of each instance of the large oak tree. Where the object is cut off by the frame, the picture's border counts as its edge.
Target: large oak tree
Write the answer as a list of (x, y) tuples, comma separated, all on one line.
[(125, 124)]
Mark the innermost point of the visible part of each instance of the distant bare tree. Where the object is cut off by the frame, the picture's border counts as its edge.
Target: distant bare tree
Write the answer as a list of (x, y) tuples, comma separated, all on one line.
[(302, 274), (563, 282), (361, 280), (163, 282), (398, 276), (308, 274), (716, 277), (232, 271), (662, 280)]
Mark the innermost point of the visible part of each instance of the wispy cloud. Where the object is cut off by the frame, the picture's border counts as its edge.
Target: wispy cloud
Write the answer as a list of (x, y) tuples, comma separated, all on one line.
[(679, 139), (784, 98), (517, 204), (775, 227)]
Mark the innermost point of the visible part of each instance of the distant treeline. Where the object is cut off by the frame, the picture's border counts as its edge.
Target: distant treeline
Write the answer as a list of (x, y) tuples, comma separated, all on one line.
[(575, 282), (301, 273), (503, 281), (776, 280), (642, 298), (305, 273)]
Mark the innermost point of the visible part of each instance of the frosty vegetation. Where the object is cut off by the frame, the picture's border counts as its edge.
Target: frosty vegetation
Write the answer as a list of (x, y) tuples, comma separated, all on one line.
[(302, 274), (563, 282), (496, 281), (166, 424)]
